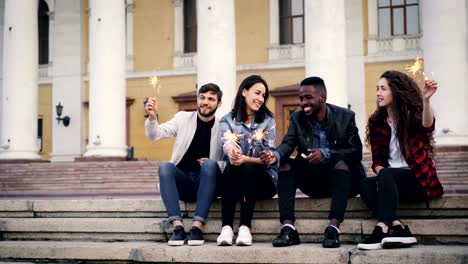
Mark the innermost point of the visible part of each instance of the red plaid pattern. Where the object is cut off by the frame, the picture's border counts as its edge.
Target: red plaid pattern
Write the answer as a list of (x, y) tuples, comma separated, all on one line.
[(421, 162)]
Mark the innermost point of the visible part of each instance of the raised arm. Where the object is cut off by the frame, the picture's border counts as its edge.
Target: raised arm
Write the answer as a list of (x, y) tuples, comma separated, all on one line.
[(430, 87)]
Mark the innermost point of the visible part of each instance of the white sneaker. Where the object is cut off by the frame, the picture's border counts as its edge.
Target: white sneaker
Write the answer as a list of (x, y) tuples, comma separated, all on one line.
[(226, 236), (244, 238)]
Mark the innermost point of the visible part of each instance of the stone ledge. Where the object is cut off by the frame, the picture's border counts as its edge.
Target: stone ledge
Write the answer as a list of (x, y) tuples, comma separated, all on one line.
[(431, 231), (138, 204), (66, 252)]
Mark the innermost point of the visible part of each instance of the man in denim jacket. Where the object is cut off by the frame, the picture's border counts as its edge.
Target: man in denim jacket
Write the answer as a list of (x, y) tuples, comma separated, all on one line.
[(328, 162)]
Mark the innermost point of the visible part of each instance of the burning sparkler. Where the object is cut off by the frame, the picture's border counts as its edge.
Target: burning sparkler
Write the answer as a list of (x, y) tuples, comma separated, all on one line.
[(257, 141), (154, 81), (417, 67)]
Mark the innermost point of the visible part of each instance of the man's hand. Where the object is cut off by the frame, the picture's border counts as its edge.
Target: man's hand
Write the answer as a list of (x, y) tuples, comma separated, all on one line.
[(151, 108), (267, 157), (315, 156), (202, 160)]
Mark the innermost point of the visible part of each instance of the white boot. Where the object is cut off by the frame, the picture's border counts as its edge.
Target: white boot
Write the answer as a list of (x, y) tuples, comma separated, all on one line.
[(244, 238), (226, 236)]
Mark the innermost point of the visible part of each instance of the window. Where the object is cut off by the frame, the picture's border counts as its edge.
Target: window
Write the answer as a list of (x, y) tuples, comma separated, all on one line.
[(190, 26), (43, 24), (398, 17), (291, 16)]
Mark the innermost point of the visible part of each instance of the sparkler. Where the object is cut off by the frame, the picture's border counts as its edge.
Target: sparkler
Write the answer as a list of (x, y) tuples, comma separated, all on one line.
[(257, 141), (417, 67), (154, 81)]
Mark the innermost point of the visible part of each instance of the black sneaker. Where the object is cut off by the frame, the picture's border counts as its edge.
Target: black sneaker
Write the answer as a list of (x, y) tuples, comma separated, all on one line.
[(287, 237), (399, 237), (331, 237), (195, 237), (178, 236), (374, 241)]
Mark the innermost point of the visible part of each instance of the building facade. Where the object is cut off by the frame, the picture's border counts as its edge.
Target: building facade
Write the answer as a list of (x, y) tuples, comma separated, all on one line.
[(93, 59)]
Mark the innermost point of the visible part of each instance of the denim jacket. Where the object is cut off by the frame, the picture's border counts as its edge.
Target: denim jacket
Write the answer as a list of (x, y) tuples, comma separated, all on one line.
[(248, 142)]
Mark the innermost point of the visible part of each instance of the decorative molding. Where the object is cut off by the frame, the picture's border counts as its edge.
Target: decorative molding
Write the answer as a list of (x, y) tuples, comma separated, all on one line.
[(395, 48), (185, 60), (177, 3), (129, 7), (286, 52)]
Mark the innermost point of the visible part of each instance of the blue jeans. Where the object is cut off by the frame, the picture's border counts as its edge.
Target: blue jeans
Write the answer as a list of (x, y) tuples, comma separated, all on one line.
[(175, 185)]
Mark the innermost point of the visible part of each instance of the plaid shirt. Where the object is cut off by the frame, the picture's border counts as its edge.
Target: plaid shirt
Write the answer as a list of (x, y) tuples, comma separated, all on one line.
[(421, 164)]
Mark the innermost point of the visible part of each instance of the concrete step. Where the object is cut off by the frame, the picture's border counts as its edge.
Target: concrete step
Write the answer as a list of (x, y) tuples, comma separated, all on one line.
[(143, 252), (447, 206), (429, 231)]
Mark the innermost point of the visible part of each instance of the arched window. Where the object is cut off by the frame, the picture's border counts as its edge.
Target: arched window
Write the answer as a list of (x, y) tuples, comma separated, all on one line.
[(43, 24)]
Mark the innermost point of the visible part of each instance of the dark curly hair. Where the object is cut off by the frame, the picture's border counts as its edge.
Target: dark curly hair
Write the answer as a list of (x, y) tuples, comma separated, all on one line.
[(407, 107)]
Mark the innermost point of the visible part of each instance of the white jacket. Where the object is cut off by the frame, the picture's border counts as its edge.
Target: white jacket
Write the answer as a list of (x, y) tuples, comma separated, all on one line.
[(183, 126)]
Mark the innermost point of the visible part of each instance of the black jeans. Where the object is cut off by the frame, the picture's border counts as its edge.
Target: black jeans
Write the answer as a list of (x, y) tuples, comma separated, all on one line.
[(316, 181), (246, 184), (383, 193)]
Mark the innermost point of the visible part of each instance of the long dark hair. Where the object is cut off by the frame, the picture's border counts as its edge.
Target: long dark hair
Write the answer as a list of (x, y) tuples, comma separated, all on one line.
[(407, 107), (239, 111)]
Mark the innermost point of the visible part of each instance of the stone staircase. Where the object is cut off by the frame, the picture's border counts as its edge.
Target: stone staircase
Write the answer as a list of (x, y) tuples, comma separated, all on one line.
[(124, 178), (111, 212), (134, 230)]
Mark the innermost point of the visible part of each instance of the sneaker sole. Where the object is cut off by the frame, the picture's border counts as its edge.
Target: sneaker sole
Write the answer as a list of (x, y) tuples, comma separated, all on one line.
[(176, 243), (195, 242), (286, 245), (244, 243), (369, 246), (224, 243), (398, 242)]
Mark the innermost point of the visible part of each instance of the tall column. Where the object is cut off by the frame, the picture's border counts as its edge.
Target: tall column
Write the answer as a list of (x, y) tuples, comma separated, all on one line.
[(107, 79), (178, 27), (67, 80), (217, 48), (325, 46), (355, 63), (445, 49), (19, 101), (130, 6)]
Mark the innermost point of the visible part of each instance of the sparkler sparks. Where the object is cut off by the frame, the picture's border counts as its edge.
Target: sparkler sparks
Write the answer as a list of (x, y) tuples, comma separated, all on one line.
[(154, 81), (417, 67)]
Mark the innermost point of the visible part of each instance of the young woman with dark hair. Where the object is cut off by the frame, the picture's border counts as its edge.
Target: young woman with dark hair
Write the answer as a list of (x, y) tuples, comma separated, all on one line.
[(247, 130), (400, 133)]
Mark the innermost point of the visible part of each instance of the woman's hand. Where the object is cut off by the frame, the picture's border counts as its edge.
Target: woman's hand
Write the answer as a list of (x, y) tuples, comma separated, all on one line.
[(430, 87), (241, 160), (234, 153)]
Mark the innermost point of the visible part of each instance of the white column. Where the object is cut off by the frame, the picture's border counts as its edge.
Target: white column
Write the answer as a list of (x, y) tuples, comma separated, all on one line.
[(178, 27), (372, 18), (355, 63), (217, 48), (67, 80), (274, 23), (129, 32), (107, 79), (325, 46), (445, 49), (2, 20), (18, 138)]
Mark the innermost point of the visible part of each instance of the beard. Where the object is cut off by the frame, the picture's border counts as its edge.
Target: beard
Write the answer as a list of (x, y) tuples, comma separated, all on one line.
[(210, 113)]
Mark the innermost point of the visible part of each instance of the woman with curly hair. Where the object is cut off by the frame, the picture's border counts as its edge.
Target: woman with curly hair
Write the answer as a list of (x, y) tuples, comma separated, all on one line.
[(400, 133)]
